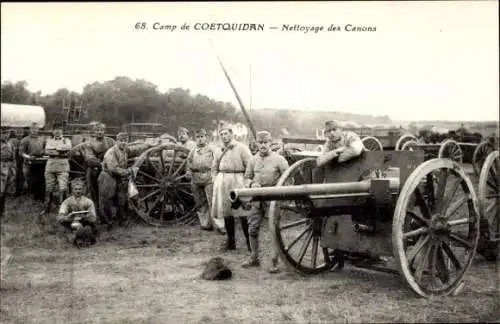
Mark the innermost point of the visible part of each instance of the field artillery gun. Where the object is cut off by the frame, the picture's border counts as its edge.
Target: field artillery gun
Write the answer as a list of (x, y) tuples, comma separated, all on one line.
[(425, 216), (448, 149)]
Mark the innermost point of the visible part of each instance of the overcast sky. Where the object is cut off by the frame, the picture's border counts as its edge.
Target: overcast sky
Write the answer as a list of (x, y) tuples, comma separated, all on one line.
[(433, 61)]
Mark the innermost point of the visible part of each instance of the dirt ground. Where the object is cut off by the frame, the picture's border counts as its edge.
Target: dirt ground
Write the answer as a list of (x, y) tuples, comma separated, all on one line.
[(151, 275)]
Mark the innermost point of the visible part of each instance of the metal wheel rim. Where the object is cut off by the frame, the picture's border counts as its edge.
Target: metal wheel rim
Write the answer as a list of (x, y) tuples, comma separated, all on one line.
[(402, 140), (479, 156), (401, 212), (488, 192), (168, 184), (274, 223), (450, 149), (372, 143)]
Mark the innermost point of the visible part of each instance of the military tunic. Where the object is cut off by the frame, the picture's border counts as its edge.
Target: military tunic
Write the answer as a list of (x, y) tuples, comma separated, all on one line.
[(73, 204), (93, 154), (199, 163), (351, 141), (57, 167), (7, 169), (34, 171), (228, 170), (263, 171), (15, 143), (113, 180)]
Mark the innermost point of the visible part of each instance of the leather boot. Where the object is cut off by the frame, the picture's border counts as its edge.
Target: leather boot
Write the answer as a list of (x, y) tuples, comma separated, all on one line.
[(244, 226), (230, 243), (253, 261)]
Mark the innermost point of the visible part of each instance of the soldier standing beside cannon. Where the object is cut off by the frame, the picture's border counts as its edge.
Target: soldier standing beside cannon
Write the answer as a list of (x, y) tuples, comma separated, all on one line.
[(93, 155), (31, 147), (339, 144), (56, 169), (227, 171), (183, 135), (113, 179), (199, 163), (264, 170), (7, 170)]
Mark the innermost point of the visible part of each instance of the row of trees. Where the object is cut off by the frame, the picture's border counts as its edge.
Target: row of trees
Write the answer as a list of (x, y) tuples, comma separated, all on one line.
[(123, 100)]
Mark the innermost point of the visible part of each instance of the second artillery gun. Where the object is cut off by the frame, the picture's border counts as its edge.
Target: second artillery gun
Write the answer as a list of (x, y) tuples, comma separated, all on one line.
[(422, 215)]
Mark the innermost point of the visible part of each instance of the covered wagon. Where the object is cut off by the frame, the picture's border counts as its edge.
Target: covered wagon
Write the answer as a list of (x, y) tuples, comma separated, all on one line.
[(20, 116)]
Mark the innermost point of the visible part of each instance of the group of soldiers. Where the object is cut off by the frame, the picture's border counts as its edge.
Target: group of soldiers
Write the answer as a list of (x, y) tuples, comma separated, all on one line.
[(213, 169)]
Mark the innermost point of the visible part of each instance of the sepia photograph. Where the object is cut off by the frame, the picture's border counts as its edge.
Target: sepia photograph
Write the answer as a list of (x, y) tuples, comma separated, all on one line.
[(250, 162)]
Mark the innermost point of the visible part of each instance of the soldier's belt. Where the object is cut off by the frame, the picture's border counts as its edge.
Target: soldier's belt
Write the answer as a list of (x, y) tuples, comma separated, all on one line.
[(200, 170), (232, 171)]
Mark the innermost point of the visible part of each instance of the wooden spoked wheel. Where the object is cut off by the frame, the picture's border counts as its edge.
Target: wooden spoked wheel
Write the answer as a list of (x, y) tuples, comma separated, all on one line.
[(403, 139), (372, 143), (165, 196), (76, 161), (410, 145), (479, 156), (450, 149), (296, 235), (436, 228), (489, 201)]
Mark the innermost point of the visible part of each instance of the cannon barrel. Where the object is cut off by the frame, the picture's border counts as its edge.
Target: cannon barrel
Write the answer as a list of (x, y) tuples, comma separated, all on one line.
[(301, 191)]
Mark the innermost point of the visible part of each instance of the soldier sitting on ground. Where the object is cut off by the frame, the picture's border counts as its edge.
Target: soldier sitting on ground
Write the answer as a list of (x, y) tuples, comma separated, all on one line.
[(343, 145), (78, 217)]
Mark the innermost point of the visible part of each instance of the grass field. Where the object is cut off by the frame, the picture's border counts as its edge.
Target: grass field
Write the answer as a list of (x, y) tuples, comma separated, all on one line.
[(146, 275)]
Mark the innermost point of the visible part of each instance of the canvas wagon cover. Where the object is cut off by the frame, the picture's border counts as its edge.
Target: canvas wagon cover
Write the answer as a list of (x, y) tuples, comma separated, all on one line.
[(21, 115)]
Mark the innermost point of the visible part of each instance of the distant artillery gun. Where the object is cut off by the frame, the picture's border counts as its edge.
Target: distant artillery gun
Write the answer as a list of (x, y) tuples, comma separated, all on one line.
[(382, 206)]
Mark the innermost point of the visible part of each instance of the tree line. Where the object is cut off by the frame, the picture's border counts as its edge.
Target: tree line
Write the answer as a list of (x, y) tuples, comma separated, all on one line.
[(122, 100)]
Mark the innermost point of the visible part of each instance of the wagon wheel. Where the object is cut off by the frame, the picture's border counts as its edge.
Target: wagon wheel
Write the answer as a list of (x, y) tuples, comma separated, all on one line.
[(434, 244), (290, 223), (479, 156), (410, 145), (372, 143), (489, 199), (450, 149), (165, 196), (403, 139), (76, 162)]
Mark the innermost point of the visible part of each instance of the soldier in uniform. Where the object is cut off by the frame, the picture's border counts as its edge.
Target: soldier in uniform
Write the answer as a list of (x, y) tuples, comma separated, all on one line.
[(343, 145), (33, 146), (77, 211), (15, 141), (56, 169), (183, 135), (264, 170), (93, 154), (199, 163), (228, 170), (113, 179), (7, 170)]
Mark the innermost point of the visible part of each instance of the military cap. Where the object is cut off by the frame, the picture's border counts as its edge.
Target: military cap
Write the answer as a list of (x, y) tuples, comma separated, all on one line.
[(77, 182), (201, 131), (331, 125), (264, 136), (122, 136), (182, 130), (225, 126)]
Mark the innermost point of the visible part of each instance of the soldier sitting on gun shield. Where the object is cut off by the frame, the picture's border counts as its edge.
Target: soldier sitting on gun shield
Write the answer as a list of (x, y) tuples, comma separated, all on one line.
[(77, 215), (340, 144)]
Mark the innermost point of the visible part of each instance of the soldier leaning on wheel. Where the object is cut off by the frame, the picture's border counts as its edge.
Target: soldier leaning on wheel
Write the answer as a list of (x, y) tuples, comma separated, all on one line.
[(56, 169), (264, 170), (93, 155), (113, 179), (78, 212), (33, 146), (7, 170), (342, 145), (199, 163)]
